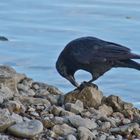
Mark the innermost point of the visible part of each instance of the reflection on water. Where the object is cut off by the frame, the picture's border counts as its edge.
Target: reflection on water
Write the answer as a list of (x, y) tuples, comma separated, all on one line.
[(39, 30)]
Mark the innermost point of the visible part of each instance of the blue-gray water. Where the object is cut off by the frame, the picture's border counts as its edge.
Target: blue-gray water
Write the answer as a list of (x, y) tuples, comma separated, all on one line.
[(39, 30)]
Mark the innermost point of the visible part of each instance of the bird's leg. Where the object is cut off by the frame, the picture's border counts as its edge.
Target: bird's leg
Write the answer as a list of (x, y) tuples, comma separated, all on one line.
[(72, 80)]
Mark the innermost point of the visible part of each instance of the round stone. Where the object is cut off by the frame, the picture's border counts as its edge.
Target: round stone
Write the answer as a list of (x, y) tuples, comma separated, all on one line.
[(26, 129)]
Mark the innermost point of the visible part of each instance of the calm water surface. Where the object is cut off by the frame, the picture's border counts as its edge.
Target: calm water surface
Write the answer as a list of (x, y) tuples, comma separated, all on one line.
[(39, 30)]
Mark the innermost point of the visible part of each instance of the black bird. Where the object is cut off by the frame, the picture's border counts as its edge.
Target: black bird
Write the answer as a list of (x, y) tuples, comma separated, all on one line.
[(95, 56)]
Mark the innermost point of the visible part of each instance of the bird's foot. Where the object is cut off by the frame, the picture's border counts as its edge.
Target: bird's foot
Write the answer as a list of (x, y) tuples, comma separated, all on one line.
[(85, 84)]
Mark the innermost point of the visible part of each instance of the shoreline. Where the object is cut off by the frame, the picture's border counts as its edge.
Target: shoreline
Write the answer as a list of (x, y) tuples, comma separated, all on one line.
[(39, 111)]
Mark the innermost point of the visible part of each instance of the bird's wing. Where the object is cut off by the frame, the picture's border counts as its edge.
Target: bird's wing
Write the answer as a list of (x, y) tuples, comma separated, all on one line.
[(97, 53)]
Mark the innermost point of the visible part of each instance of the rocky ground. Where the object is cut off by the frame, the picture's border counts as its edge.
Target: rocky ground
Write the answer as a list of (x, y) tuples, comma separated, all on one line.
[(34, 110)]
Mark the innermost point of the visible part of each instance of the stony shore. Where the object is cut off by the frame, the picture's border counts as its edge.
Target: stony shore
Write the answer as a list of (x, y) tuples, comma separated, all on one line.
[(38, 111)]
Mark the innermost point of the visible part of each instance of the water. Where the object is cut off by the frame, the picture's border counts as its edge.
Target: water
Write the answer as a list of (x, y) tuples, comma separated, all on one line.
[(39, 30)]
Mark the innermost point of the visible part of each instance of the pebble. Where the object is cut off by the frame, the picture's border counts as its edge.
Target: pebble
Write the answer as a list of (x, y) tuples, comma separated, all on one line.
[(85, 134), (78, 121), (75, 108), (71, 137), (26, 129), (63, 130)]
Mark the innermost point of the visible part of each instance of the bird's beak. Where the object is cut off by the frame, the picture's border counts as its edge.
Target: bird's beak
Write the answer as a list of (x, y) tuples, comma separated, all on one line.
[(72, 80)]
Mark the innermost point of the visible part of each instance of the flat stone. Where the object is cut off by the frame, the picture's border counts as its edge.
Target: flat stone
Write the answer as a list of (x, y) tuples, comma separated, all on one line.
[(63, 130), (85, 134), (77, 121), (26, 129)]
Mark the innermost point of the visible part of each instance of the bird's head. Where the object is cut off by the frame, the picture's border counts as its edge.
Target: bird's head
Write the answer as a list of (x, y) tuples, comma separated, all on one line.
[(65, 72)]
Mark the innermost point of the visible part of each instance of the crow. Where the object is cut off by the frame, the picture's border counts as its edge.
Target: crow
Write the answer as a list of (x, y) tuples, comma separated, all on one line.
[(95, 56)]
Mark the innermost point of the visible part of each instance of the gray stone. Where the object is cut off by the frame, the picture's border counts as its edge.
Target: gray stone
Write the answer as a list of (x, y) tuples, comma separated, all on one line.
[(26, 129), (105, 126), (5, 93), (101, 137), (77, 121), (34, 101), (71, 137), (119, 137), (58, 120), (75, 108), (5, 119), (85, 134), (111, 137), (125, 129), (63, 130), (90, 96), (4, 137), (16, 118)]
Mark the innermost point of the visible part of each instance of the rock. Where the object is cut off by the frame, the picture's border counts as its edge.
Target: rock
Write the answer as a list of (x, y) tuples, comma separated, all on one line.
[(42, 87), (63, 130), (5, 119), (105, 126), (9, 78), (71, 137), (4, 137), (111, 137), (26, 129), (59, 111), (101, 137), (119, 137), (14, 106), (75, 108), (136, 131), (88, 93), (48, 122), (56, 110), (3, 38), (106, 110), (58, 120), (125, 129), (5, 93), (16, 118), (54, 99), (34, 101), (116, 103), (126, 121), (77, 121), (85, 134)]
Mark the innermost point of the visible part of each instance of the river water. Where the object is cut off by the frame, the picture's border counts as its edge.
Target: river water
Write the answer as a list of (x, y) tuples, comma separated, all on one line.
[(39, 30)]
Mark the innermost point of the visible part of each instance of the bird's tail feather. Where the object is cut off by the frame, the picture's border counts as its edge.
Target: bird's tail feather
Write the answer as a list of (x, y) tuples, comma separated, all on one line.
[(135, 56), (130, 64)]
